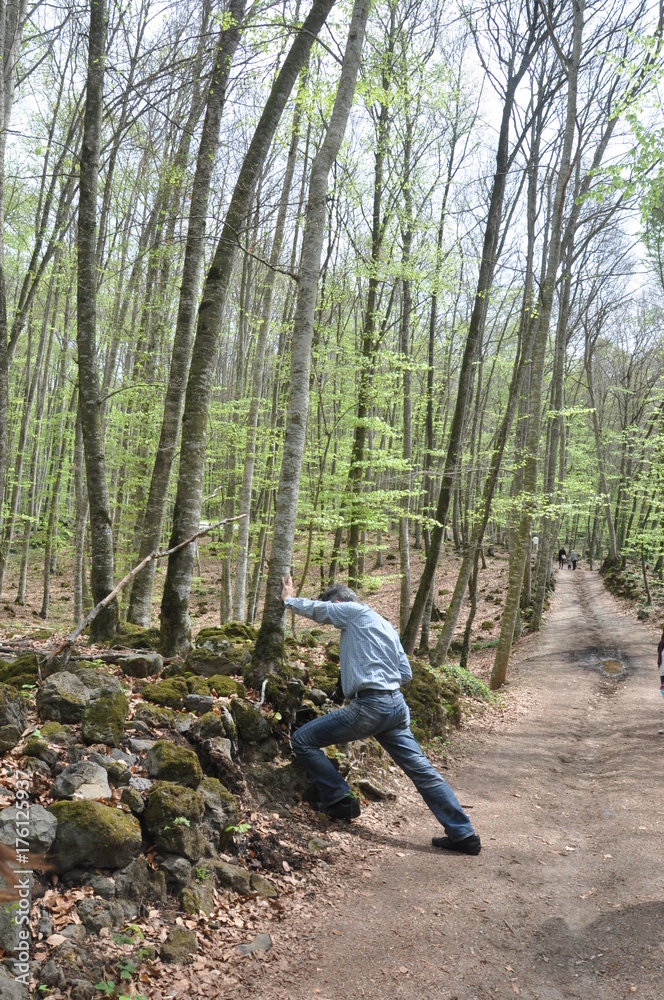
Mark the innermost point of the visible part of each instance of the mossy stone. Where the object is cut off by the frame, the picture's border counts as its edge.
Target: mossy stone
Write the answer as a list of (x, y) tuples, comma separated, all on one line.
[(118, 773), (156, 716), (104, 718), (207, 727), (214, 637), (198, 898), (197, 685), (141, 666), (63, 697), (167, 762), (173, 816), (251, 725), (90, 833), (264, 888), (135, 637), (430, 701), (168, 693), (23, 670), (179, 946), (10, 737), (40, 749), (284, 695), (221, 812), (225, 686), (133, 799), (205, 662)]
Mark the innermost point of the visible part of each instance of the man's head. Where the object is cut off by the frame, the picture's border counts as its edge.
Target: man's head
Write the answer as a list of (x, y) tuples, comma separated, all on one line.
[(338, 593)]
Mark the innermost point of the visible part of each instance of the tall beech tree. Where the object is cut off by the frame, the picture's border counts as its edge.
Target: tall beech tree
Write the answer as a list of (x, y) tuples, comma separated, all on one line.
[(175, 624), (269, 646)]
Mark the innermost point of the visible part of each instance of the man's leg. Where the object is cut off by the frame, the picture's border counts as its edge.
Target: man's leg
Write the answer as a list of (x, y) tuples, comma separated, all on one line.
[(340, 726), (441, 800)]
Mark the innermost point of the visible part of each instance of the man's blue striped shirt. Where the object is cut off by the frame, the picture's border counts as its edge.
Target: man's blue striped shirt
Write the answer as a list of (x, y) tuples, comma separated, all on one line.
[(370, 650)]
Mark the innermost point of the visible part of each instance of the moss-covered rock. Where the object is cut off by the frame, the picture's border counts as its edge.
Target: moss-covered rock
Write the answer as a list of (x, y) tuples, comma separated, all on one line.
[(221, 812), (141, 666), (90, 833), (168, 693), (22, 670), (167, 762), (10, 737), (251, 725), (135, 637), (196, 684), (40, 749), (214, 638), (140, 883), (63, 697), (119, 774), (206, 663), (198, 898), (224, 686), (104, 718), (133, 799), (264, 888), (207, 727), (285, 696), (179, 946), (173, 816), (233, 877), (431, 702), (13, 707), (156, 716)]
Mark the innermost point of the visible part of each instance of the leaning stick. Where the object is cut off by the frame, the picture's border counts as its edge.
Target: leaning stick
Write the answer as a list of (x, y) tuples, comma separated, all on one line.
[(157, 554)]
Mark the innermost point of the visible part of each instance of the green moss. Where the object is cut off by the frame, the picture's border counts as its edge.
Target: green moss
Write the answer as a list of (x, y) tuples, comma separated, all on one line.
[(233, 632), (251, 725), (225, 686), (168, 762), (431, 702), (90, 833), (156, 716), (284, 696), (168, 693), (207, 727), (196, 684), (461, 681), (104, 718), (135, 637), (173, 816), (24, 670)]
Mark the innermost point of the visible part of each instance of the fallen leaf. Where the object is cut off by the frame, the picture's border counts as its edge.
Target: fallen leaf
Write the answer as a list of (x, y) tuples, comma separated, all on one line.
[(403, 969)]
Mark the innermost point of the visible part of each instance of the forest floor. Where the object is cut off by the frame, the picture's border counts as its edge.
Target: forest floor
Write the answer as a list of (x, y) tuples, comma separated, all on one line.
[(566, 789)]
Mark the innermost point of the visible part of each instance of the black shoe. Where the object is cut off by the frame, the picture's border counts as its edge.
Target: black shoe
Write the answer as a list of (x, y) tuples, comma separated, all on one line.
[(346, 808), (469, 845)]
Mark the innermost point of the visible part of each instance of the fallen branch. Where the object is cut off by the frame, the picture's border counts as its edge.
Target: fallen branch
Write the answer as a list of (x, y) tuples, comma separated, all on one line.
[(71, 638)]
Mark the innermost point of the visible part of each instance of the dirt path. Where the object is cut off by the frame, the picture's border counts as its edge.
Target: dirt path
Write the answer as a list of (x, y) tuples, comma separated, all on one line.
[(566, 899)]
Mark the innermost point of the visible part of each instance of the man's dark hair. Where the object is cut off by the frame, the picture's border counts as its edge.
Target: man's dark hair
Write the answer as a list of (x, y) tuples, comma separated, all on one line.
[(338, 593)]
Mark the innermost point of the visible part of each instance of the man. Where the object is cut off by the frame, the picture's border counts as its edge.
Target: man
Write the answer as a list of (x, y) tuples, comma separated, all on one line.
[(373, 668)]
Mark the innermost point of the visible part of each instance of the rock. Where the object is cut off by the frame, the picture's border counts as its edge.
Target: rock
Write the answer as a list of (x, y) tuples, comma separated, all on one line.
[(41, 828), (91, 833), (285, 695), (96, 913), (373, 791), (169, 693), (133, 799), (40, 749), (13, 708), (178, 871), (103, 719), (317, 696), (9, 928), (218, 757), (119, 774), (137, 637), (75, 932), (317, 844), (10, 737), (45, 926), (140, 784), (229, 723), (432, 702), (138, 726), (103, 886), (215, 637), (145, 665), (262, 942), (52, 975), (54, 732), (173, 816), (141, 746), (22, 670), (11, 988), (84, 780), (96, 680), (209, 725), (225, 686), (198, 703), (198, 898), (266, 750), (179, 946), (63, 697), (155, 716), (221, 811), (251, 725), (263, 887), (168, 762), (233, 877), (140, 883), (183, 723), (279, 781), (82, 989)]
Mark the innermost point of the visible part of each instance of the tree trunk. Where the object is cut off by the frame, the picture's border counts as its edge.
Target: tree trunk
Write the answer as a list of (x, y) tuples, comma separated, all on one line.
[(269, 646), (140, 601), (175, 625)]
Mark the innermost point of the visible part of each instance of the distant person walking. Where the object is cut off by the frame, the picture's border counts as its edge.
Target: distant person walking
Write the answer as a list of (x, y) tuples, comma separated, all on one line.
[(574, 557), (569, 561), (562, 557)]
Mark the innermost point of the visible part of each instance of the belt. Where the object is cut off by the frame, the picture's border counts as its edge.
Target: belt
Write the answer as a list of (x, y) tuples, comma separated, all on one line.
[(372, 692)]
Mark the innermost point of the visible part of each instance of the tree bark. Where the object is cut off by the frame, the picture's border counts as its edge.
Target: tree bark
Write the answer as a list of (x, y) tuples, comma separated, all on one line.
[(269, 646), (175, 625)]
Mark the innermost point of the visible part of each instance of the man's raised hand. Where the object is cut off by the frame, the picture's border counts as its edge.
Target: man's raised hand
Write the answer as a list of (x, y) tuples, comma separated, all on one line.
[(287, 588)]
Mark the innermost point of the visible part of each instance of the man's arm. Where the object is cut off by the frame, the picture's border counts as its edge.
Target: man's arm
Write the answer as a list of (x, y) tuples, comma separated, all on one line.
[(404, 668), (335, 613)]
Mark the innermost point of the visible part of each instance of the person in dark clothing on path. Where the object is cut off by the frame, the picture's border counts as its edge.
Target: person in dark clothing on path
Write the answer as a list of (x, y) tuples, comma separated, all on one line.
[(660, 650), (373, 668), (562, 557)]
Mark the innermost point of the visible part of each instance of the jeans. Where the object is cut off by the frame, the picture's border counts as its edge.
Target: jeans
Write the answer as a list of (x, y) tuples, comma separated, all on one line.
[(386, 717)]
